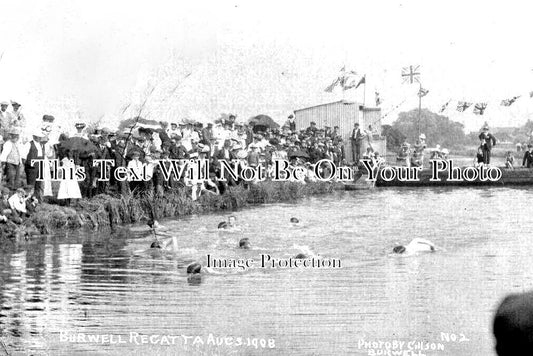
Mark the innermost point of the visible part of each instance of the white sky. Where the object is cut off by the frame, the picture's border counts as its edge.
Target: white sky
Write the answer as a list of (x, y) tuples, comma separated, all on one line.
[(91, 58)]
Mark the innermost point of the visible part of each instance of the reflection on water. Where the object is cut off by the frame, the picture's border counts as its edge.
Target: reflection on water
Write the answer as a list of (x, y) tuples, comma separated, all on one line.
[(109, 285)]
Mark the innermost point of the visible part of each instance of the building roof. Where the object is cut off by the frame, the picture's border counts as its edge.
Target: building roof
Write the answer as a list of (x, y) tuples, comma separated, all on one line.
[(345, 102)]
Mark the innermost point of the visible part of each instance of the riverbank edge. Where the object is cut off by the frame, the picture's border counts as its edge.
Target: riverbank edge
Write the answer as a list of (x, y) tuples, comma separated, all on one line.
[(107, 211)]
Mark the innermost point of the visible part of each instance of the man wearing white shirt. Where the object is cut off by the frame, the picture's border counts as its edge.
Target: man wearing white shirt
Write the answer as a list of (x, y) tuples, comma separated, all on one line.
[(5, 119), (17, 116), (194, 136), (173, 130), (11, 158), (51, 130), (17, 202), (136, 166), (220, 135), (186, 131)]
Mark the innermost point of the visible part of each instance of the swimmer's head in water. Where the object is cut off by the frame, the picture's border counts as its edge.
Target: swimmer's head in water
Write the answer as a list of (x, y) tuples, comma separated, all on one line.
[(155, 244), (153, 224), (194, 268), (295, 221), (398, 249), (300, 256), (244, 243), (222, 225)]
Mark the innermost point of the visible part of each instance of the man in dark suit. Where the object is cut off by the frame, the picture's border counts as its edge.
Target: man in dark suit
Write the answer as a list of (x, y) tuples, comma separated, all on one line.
[(207, 132), (34, 150), (487, 142), (528, 157), (225, 153), (357, 138)]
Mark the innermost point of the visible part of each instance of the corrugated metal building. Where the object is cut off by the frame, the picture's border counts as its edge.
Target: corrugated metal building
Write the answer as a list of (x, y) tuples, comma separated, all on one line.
[(344, 114)]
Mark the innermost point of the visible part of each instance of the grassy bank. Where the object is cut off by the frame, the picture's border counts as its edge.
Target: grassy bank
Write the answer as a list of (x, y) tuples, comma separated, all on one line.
[(105, 211)]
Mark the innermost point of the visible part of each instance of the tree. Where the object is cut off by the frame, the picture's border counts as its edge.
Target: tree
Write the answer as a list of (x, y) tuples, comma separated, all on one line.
[(394, 137), (437, 128)]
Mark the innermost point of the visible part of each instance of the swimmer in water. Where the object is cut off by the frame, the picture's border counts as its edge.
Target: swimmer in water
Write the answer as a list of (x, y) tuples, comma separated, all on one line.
[(157, 244), (230, 224), (415, 246), (295, 222), (194, 268), (154, 224), (244, 243)]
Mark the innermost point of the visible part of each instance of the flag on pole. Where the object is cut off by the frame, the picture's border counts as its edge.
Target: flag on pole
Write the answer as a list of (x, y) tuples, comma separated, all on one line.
[(332, 86), (479, 108), (423, 92), (443, 107), (411, 74), (378, 99), (361, 81), (463, 105), (509, 102), (346, 80)]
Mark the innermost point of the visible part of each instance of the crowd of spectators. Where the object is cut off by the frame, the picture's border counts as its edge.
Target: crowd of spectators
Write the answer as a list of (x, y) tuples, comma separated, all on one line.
[(141, 146)]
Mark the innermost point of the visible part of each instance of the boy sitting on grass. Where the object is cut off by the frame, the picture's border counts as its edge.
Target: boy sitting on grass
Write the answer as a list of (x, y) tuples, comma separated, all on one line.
[(5, 207), (17, 203)]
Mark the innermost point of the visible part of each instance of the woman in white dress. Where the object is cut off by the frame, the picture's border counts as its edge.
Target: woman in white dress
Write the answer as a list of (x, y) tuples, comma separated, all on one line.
[(69, 187)]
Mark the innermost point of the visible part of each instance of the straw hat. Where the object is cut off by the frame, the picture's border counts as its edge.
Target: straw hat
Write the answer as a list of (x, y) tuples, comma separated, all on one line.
[(242, 154), (38, 133)]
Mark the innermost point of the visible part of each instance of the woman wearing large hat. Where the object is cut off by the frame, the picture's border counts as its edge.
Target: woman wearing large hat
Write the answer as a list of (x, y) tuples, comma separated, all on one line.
[(80, 126)]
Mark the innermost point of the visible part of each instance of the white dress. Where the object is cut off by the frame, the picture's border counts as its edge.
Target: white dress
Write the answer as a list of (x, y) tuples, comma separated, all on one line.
[(68, 188), (47, 175)]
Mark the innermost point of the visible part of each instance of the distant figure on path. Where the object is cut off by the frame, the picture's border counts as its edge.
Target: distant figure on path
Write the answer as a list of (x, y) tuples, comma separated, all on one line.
[(509, 160), (528, 157), (357, 138), (418, 150), (487, 142), (513, 325), (478, 161)]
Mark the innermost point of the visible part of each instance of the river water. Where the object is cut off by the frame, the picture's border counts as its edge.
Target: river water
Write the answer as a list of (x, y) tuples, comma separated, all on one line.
[(56, 296)]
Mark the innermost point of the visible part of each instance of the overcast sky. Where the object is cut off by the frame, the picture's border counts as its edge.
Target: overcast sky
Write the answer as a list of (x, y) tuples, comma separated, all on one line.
[(85, 59)]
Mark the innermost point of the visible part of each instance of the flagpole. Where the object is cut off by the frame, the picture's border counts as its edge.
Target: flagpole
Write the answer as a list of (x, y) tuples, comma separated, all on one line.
[(364, 102), (364, 92), (343, 81), (419, 107)]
